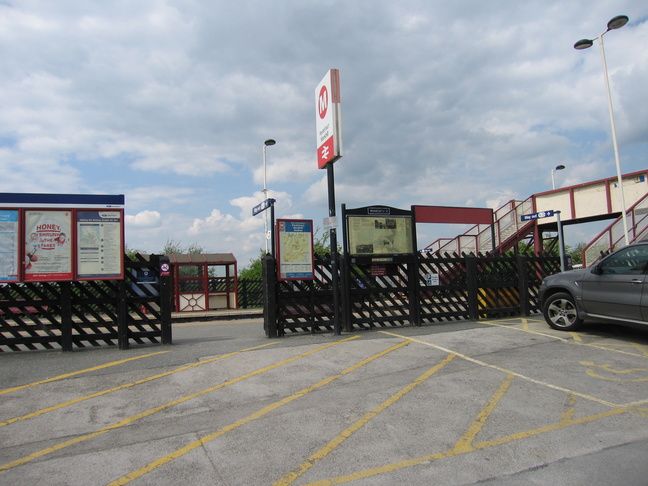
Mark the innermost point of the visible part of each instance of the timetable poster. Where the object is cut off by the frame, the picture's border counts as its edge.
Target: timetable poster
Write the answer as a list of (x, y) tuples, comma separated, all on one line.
[(8, 245), (99, 244), (48, 246)]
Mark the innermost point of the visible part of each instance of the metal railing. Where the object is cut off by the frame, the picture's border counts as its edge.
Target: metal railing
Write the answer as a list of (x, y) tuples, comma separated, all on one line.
[(612, 237)]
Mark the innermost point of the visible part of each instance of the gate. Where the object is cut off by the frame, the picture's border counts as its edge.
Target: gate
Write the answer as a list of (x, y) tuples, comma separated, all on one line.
[(379, 295), (416, 290)]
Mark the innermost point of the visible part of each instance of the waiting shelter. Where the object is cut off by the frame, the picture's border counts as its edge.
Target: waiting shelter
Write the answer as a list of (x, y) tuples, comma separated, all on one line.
[(204, 281)]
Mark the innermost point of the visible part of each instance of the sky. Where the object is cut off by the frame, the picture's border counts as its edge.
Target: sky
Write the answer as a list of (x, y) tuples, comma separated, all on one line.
[(169, 102)]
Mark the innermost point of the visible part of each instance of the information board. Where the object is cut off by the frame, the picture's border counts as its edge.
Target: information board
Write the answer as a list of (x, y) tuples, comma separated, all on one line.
[(60, 237), (9, 271), (295, 249), (380, 235), (99, 249)]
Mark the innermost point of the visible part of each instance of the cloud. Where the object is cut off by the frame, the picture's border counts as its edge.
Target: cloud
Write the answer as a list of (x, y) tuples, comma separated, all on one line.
[(144, 219)]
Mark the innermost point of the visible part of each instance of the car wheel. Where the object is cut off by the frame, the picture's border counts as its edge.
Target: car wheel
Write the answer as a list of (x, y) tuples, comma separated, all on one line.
[(560, 312)]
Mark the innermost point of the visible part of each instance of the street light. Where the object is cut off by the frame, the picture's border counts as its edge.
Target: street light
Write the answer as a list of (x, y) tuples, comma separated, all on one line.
[(553, 182), (616, 23), (266, 144)]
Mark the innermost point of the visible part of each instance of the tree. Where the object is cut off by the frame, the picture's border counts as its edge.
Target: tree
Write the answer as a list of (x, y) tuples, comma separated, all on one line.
[(255, 270)]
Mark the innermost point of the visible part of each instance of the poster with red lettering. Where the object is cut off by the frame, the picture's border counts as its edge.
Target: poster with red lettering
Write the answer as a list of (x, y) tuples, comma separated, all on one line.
[(48, 247)]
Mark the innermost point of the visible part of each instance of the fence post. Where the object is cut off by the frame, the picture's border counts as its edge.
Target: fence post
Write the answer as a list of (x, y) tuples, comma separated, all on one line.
[(523, 284), (472, 287), (414, 291), (122, 316), (241, 293), (66, 315), (269, 296), (165, 302)]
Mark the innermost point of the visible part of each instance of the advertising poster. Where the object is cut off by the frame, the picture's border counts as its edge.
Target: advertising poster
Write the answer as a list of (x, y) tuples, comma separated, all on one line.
[(380, 235), (99, 247), (8, 245), (48, 245), (295, 249)]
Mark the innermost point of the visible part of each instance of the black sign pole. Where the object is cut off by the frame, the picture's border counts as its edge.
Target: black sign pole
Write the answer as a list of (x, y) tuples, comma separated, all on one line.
[(272, 228), (335, 275)]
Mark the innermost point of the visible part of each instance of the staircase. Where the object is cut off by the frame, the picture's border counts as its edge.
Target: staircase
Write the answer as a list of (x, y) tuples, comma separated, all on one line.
[(612, 237), (509, 230)]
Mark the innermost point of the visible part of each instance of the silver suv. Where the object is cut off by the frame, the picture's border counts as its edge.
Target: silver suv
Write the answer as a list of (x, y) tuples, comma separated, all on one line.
[(611, 291)]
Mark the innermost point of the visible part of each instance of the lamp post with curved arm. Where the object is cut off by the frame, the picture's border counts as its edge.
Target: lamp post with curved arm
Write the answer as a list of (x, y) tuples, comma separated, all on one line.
[(266, 236), (615, 23)]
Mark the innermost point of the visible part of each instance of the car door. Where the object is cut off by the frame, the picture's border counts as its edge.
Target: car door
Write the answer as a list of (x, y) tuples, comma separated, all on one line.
[(614, 288)]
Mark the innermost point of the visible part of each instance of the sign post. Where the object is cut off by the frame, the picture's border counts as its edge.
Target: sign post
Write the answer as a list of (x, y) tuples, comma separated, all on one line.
[(548, 214), (329, 149)]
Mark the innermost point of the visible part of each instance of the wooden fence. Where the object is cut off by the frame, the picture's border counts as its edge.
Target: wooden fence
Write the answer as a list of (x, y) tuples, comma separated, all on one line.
[(419, 290), (68, 315)]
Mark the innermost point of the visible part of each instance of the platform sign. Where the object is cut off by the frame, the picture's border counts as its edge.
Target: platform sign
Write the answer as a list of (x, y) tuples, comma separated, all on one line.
[(328, 119), (259, 208), (295, 254), (540, 215)]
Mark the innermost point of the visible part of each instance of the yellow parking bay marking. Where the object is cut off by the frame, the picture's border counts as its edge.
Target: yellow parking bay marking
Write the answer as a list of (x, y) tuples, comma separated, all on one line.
[(615, 375), (260, 413), (467, 446), (345, 434), (151, 411), (504, 370), (75, 373), (465, 443), (122, 387)]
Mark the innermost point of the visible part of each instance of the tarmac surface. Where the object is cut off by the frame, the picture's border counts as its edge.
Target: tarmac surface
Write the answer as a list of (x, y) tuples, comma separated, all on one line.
[(495, 402)]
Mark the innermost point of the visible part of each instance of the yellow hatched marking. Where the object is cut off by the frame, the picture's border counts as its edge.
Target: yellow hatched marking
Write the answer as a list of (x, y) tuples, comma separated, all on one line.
[(75, 373), (465, 443), (122, 387), (151, 411), (504, 370), (265, 410), (388, 468), (345, 434)]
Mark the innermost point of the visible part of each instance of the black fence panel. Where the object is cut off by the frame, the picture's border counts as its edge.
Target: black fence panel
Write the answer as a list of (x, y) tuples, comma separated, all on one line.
[(250, 293), (425, 289), (68, 315)]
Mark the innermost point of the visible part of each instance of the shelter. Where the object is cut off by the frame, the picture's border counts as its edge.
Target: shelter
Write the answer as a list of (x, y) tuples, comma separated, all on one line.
[(205, 281)]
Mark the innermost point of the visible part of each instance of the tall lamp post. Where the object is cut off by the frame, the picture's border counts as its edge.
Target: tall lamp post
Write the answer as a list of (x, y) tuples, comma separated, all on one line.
[(615, 23), (553, 181), (266, 144)]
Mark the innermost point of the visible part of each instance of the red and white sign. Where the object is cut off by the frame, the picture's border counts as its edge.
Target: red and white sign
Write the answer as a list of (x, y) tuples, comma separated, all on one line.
[(328, 119)]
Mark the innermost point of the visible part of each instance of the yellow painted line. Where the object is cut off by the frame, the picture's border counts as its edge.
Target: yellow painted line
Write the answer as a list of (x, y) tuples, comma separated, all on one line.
[(504, 370), (388, 468), (122, 387), (527, 330), (465, 443), (570, 408), (576, 339), (260, 413), (345, 434), (151, 411), (75, 373)]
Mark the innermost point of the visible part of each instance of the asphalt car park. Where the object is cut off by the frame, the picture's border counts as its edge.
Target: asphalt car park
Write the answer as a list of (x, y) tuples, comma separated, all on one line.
[(502, 402)]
